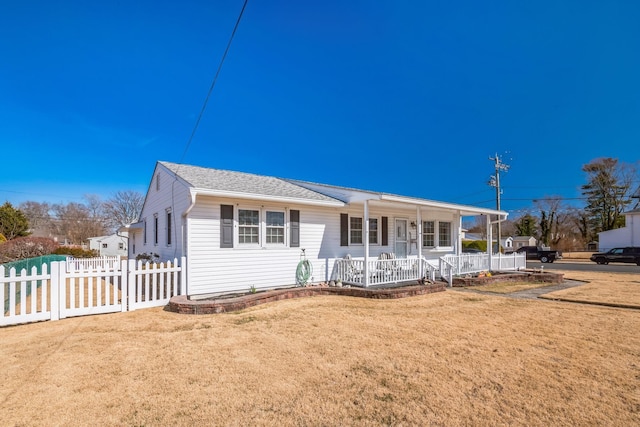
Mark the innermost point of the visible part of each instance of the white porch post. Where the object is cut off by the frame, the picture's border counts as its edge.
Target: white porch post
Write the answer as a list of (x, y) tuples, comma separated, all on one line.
[(459, 235), (419, 239), (366, 243), (489, 240)]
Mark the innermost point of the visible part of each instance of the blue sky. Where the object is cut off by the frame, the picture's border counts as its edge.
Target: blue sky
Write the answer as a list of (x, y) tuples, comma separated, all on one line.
[(404, 97)]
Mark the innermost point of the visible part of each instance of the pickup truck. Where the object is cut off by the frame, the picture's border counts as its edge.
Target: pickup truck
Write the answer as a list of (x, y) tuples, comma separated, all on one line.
[(630, 254), (544, 255)]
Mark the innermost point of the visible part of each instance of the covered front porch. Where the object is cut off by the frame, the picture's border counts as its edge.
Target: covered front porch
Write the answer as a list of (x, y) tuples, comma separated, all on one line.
[(388, 270)]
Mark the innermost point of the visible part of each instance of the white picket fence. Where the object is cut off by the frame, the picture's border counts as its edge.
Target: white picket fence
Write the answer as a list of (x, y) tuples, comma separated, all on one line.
[(105, 262), (67, 289)]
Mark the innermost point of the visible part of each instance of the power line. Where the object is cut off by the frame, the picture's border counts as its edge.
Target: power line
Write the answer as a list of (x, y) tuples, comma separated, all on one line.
[(213, 83)]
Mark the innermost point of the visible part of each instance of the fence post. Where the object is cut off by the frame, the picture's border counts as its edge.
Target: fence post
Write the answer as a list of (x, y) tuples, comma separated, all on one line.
[(183, 275), (54, 289), (131, 267), (124, 285)]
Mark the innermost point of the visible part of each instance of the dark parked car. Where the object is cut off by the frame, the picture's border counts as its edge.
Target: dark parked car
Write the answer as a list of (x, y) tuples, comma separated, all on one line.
[(543, 255), (472, 251), (630, 254)]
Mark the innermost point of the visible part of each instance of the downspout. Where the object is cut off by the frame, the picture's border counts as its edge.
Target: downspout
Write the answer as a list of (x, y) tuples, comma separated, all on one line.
[(185, 235), (366, 244)]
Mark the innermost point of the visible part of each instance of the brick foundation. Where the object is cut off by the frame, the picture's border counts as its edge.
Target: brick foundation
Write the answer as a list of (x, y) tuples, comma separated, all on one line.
[(180, 304)]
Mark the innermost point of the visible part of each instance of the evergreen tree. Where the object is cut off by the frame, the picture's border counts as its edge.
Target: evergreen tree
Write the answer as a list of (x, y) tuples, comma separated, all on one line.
[(607, 193), (13, 223)]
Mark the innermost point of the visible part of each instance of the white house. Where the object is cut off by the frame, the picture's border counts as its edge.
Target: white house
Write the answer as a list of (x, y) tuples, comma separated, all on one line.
[(112, 245), (239, 230), (521, 241), (629, 235)]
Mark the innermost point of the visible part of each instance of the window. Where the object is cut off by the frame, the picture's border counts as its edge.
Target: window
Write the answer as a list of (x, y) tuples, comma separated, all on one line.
[(121, 246), (355, 230), (275, 227), (248, 226), (444, 233), (144, 231), (169, 227), (373, 231), (155, 229), (158, 182), (105, 246), (428, 234)]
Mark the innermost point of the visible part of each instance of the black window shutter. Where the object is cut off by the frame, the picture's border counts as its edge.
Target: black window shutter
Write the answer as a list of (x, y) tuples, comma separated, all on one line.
[(385, 231), (294, 224), (226, 226), (344, 230)]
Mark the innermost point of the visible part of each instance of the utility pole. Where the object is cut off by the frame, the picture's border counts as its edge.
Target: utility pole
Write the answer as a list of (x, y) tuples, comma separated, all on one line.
[(494, 181)]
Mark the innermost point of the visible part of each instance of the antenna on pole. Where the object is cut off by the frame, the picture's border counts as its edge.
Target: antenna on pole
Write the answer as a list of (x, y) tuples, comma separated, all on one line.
[(494, 181)]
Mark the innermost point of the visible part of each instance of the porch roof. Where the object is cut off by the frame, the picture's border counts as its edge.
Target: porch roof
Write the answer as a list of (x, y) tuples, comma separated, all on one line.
[(352, 195)]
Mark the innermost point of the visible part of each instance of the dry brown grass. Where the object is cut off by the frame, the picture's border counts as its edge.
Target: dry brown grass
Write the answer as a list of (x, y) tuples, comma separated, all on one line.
[(610, 288), (449, 358), (508, 287)]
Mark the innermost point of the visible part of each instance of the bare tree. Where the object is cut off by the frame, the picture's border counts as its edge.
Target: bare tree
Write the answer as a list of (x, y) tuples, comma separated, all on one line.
[(39, 218), (550, 208), (75, 222), (123, 208)]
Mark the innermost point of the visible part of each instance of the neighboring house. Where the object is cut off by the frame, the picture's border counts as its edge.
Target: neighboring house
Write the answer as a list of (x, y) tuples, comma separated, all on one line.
[(112, 245), (239, 230), (520, 241), (507, 244), (629, 235), (472, 237)]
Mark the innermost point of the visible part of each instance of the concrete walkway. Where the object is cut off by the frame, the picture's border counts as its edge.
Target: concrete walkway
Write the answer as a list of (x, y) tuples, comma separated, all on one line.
[(541, 294)]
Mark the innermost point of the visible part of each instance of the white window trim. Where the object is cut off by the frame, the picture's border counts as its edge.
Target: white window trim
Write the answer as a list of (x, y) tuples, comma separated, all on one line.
[(263, 223), (168, 235), (436, 235), (351, 243), (156, 231), (262, 228), (378, 231)]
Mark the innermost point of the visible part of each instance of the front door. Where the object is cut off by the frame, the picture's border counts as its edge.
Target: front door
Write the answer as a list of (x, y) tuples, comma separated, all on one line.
[(401, 238)]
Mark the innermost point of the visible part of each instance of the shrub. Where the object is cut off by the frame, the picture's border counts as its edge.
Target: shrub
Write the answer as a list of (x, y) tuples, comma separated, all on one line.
[(150, 257), (76, 252), (26, 247), (476, 244)]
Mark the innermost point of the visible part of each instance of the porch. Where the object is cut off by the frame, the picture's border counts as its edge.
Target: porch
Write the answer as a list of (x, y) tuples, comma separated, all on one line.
[(388, 270)]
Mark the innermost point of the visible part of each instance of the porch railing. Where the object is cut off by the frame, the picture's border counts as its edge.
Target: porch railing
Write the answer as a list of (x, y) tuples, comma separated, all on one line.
[(383, 271), (457, 265)]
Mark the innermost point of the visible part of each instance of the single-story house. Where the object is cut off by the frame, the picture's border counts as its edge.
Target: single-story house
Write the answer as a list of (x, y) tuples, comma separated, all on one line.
[(240, 231), (520, 241), (111, 245), (629, 235)]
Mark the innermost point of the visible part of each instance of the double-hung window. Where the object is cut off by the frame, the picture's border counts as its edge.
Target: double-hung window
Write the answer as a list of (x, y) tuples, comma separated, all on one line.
[(436, 234), (248, 226), (428, 234), (355, 230), (155, 229), (274, 222), (373, 231), (169, 224), (444, 233)]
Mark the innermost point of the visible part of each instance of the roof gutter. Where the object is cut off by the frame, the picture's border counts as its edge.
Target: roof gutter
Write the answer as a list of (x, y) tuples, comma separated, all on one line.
[(266, 198)]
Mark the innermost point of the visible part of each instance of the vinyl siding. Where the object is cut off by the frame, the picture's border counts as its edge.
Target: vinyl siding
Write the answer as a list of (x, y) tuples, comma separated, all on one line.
[(217, 270), (174, 195)]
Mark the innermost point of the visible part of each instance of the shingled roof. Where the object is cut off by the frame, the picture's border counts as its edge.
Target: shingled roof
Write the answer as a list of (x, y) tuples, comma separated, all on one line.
[(244, 183)]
